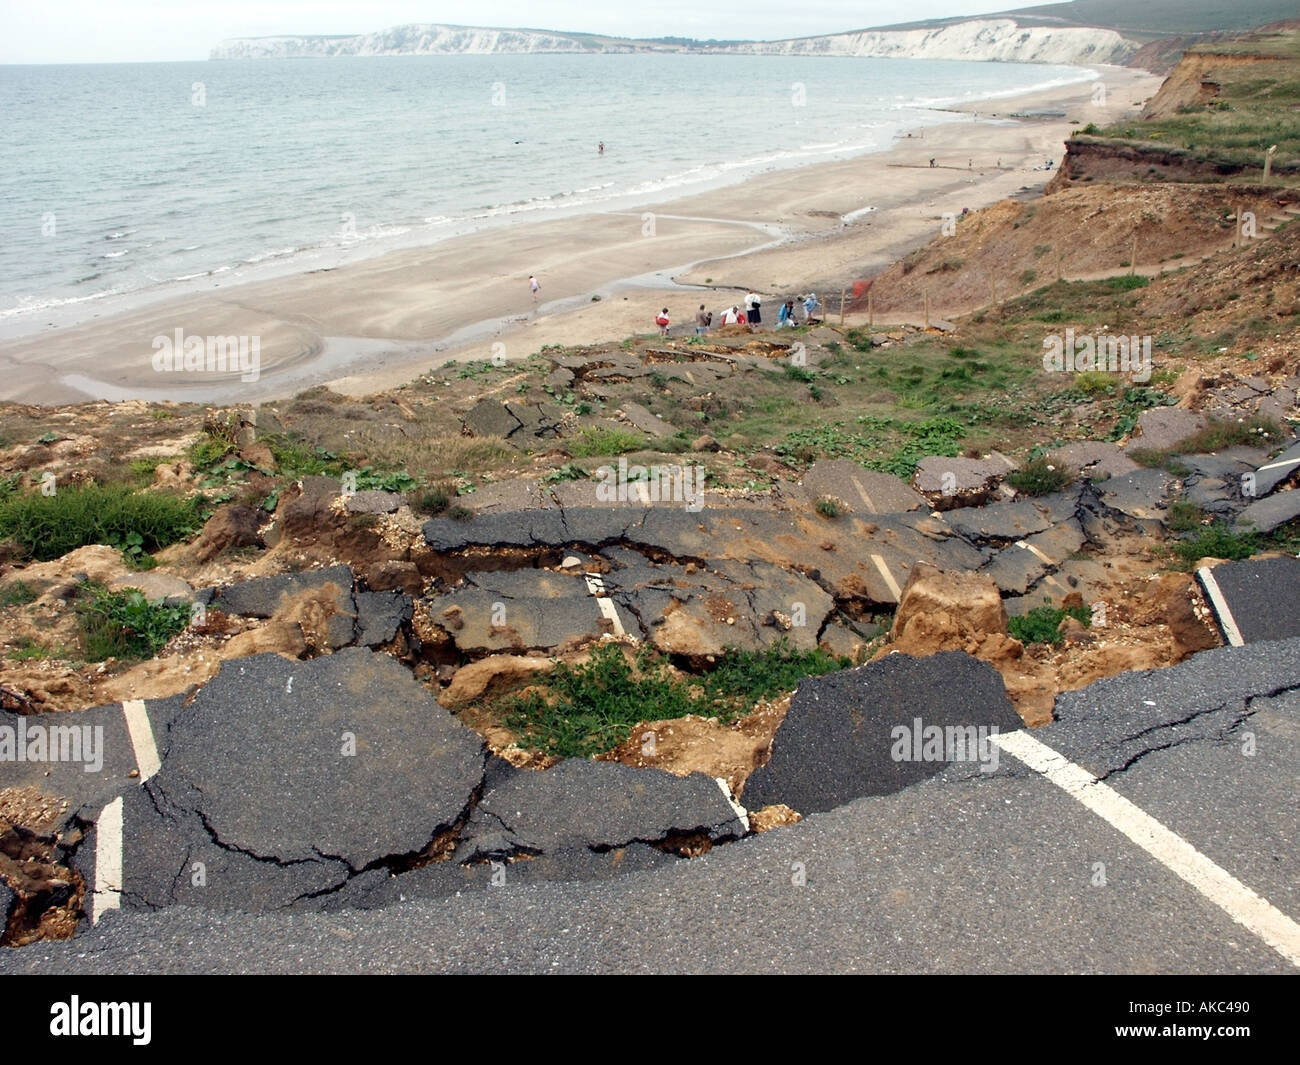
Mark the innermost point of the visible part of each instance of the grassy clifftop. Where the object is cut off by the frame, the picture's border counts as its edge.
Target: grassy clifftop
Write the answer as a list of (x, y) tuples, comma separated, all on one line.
[(1224, 105)]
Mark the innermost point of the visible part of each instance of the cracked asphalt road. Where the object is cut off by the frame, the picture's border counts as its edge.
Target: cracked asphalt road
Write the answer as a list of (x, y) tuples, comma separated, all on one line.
[(964, 871)]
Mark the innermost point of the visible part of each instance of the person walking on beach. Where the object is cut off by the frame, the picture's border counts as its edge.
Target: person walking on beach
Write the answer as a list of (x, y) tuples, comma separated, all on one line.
[(662, 322), (752, 308), (535, 286), (702, 321)]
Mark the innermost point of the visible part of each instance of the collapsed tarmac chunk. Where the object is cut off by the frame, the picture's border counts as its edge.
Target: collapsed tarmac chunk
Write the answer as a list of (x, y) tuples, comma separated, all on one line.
[(584, 805), (873, 730), (345, 757)]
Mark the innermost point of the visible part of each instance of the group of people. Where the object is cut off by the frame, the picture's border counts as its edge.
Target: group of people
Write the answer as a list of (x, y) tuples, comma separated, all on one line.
[(748, 312)]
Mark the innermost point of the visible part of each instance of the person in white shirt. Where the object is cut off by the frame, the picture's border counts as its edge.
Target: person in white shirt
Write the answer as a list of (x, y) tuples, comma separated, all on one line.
[(752, 313)]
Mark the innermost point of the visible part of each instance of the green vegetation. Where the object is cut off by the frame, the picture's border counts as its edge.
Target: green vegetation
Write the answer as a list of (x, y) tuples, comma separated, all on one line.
[(47, 527), (1183, 516), (433, 500), (399, 481), (16, 593), (1093, 382), (828, 508), (1040, 625), (568, 472), (1038, 477), (1216, 541), (601, 440), (591, 708), (296, 458), (1124, 282), (29, 650), (1131, 404), (1216, 436), (904, 443), (124, 624), (1253, 108)]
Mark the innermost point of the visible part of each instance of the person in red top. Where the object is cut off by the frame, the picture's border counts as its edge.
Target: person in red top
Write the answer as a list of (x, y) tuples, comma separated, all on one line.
[(662, 322)]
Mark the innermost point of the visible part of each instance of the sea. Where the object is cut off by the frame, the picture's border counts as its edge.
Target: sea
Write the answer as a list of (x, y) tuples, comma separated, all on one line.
[(143, 178)]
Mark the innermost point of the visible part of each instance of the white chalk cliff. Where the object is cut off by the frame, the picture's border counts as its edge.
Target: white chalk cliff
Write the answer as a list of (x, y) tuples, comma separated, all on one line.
[(1000, 40)]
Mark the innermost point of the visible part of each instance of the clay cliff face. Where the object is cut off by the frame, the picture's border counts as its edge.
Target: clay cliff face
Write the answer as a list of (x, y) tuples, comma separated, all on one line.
[(1194, 82)]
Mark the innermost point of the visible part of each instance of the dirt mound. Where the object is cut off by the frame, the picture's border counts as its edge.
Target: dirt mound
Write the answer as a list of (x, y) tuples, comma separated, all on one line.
[(700, 745), (1258, 280)]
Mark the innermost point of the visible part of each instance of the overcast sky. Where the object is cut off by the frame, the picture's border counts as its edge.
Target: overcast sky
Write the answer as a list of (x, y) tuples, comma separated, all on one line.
[(115, 31)]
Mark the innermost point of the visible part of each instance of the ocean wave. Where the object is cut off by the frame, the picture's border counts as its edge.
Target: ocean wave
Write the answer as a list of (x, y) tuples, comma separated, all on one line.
[(34, 306), (279, 253)]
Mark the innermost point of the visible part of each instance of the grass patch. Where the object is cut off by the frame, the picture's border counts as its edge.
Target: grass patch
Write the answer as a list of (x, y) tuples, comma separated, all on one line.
[(591, 708), (1125, 282), (48, 527), (1253, 108), (827, 507), (29, 650), (1038, 477), (1094, 382), (1216, 436), (125, 624), (1183, 516), (1040, 624), (297, 458), (17, 593), (429, 457), (1216, 541), (605, 441)]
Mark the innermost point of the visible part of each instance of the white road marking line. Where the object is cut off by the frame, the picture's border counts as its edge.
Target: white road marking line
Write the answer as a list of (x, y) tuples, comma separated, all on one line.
[(866, 499), (108, 861), (1234, 898), (1034, 551), (741, 813), (1212, 589), (141, 732), (890, 583), (604, 604), (1279, 465)]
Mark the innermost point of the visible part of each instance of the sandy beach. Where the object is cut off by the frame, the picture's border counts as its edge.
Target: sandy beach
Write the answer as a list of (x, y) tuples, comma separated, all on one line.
[(376, 324)]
